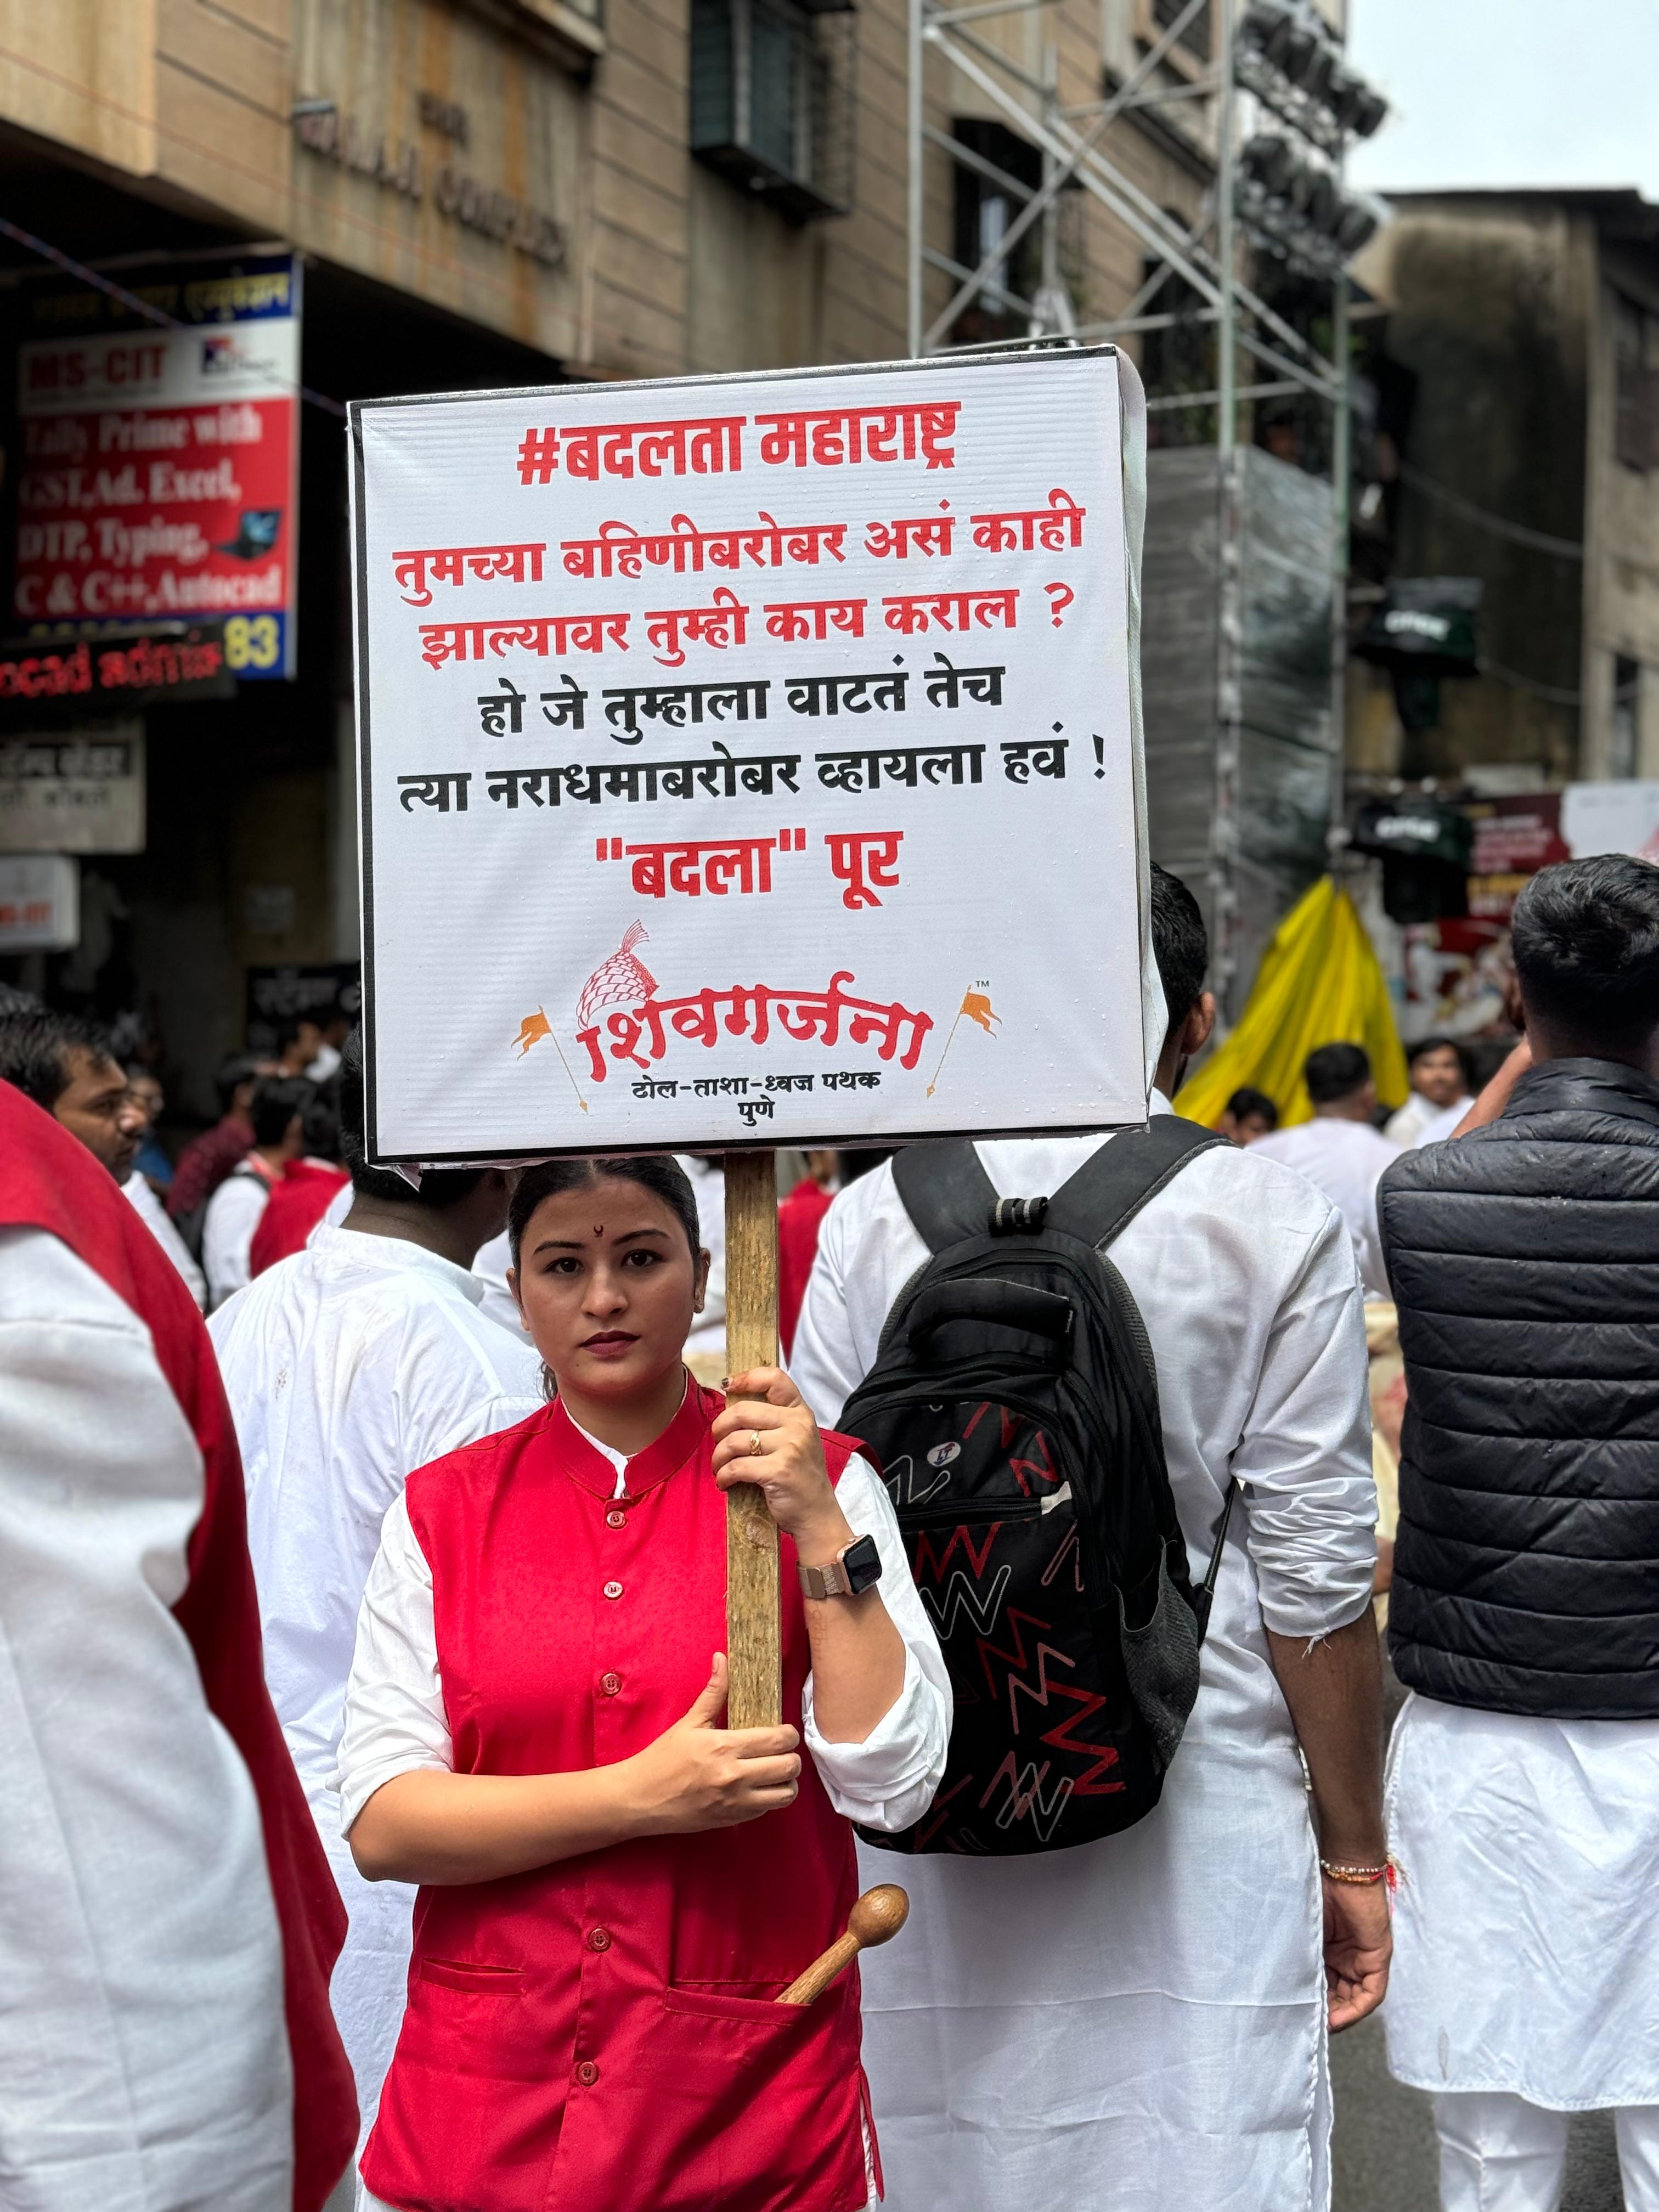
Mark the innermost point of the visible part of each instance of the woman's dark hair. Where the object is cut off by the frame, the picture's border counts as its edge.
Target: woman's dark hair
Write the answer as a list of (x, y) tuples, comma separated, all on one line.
[(657, 1172)]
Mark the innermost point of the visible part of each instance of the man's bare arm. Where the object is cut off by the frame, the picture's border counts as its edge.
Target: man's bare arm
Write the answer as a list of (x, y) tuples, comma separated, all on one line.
[(1333, 1687)]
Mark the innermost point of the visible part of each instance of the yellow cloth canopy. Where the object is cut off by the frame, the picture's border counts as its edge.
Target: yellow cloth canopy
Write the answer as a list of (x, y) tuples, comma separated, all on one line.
[(1319, 983)]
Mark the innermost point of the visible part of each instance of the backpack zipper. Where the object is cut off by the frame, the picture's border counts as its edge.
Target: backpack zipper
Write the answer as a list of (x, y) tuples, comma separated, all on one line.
[(962, 1517)]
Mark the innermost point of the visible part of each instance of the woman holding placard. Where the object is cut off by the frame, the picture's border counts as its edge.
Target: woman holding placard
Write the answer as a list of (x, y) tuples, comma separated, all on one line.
[(606, 1920)]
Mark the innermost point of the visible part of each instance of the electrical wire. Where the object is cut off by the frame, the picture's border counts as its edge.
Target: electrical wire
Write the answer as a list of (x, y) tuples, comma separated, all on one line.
[(131, 300), (1566, 548), (1553, 695)]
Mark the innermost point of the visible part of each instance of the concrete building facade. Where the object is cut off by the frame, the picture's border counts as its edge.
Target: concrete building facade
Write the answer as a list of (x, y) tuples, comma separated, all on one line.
[(1530, 323), (482, 192)]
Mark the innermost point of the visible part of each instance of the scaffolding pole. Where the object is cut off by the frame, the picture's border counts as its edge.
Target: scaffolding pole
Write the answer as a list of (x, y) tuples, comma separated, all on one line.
[(1205, 257)]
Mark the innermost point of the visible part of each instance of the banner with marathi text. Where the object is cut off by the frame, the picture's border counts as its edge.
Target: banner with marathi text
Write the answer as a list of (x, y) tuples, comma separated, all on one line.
[(747, 760)]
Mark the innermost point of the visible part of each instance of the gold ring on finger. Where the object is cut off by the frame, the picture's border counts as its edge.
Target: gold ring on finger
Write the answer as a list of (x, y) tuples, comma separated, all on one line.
[(753, 1444)]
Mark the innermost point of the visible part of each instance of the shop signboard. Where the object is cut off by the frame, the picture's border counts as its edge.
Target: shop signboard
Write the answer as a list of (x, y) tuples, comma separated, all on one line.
[(324, 991), (63, 679), (73, 790), (159, 466), (1515, 835), (39, 904), (748, 760)]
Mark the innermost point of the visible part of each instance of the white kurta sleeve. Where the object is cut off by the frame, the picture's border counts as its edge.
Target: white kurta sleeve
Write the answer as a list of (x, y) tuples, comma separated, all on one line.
[(823, 1360), (141, 2044), (232, 1217), (154, 1215), (1305, 1458), (888, 1781), (395, 1721)]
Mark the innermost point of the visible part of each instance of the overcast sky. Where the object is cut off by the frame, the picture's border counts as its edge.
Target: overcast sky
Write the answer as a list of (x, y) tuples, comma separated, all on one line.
[(1509, 92)]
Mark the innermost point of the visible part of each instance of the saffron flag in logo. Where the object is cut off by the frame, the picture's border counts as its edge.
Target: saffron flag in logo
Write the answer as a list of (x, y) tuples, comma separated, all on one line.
[(532, 1030), (977, 1008)]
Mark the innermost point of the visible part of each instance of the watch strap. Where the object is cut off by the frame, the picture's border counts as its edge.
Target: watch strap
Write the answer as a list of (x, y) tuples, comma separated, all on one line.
[(833, 1580), (829, 1581)]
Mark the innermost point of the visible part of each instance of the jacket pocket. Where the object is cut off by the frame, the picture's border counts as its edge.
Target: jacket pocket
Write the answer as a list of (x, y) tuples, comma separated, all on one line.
[(475, 1976), (706, 2002)]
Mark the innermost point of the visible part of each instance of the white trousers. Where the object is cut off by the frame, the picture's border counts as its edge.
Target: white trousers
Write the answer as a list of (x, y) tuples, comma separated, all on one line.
[(1499, 2153)]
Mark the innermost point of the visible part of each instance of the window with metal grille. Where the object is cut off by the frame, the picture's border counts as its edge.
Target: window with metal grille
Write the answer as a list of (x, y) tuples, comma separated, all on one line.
[(1196, 36), (1636, 384), (772, 100), (1624, 735), (993, 184)]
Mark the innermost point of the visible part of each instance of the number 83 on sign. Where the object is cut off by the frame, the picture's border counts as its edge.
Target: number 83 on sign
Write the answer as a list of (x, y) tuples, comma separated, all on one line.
[(255, 645)]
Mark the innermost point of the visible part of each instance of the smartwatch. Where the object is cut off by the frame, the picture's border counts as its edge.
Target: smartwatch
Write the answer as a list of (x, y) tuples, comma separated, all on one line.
[(855, 1567)]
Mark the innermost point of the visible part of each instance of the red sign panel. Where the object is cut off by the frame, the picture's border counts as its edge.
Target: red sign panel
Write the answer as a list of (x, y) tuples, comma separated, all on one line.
[(158, 465)]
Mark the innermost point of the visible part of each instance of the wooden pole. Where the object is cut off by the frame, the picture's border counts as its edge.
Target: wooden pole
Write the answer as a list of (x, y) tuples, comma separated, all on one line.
[(754, 1646)]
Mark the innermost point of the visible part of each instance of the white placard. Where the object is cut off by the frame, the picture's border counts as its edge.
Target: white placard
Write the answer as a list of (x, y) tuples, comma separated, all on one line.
[(73, 790), (1611, 818), (747, 760)]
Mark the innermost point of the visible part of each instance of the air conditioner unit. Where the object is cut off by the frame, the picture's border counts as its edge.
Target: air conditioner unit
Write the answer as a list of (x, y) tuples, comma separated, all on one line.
[(772, 100)]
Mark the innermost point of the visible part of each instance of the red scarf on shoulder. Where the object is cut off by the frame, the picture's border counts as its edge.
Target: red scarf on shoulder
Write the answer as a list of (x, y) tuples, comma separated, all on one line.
[(48, 1180)]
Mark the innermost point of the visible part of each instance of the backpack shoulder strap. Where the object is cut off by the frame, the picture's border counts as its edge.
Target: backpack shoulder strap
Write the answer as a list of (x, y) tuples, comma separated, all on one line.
[(944, 1190), (1103, 1197)]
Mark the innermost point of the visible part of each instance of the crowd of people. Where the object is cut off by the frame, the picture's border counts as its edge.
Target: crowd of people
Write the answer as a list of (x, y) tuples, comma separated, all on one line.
[(377, 1836)]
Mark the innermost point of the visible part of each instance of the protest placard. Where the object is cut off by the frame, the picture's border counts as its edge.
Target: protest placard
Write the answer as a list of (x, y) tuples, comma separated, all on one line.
[(747, 760)]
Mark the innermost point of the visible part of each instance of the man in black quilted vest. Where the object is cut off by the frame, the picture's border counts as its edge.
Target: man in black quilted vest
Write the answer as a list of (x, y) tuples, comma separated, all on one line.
[(1524, 1781)]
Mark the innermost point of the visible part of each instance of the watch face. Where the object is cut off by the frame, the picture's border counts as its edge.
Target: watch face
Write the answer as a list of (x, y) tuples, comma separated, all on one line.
[(862, 1563)]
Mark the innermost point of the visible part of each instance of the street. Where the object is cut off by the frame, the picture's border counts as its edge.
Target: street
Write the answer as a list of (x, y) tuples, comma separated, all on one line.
[(1383, 2156)]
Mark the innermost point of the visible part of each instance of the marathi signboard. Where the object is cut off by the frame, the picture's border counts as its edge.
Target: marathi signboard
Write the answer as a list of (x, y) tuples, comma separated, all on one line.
[(74, 791), (159, 479), (748, 759), (325, 992)]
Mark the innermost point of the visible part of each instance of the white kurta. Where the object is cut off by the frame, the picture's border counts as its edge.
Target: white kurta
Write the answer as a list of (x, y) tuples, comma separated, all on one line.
[(348, 1366), (708, 1187), (1140, 2022), (156, 1218), (143, 2052), (1438, 1126), (233, 1214), (396, 1722), (1346, 1160), (1526, 1924), (498, 1304)]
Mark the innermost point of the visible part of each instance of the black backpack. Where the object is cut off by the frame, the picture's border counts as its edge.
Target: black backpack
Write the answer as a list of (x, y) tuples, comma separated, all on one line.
[(1013, 1410)]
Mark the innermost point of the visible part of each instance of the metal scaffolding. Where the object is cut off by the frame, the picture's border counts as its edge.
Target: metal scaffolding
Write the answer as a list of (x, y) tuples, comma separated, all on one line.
[(1258, 355)]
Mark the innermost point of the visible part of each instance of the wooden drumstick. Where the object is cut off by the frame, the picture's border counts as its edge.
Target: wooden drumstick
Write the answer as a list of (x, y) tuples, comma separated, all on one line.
[(876, 1918)]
